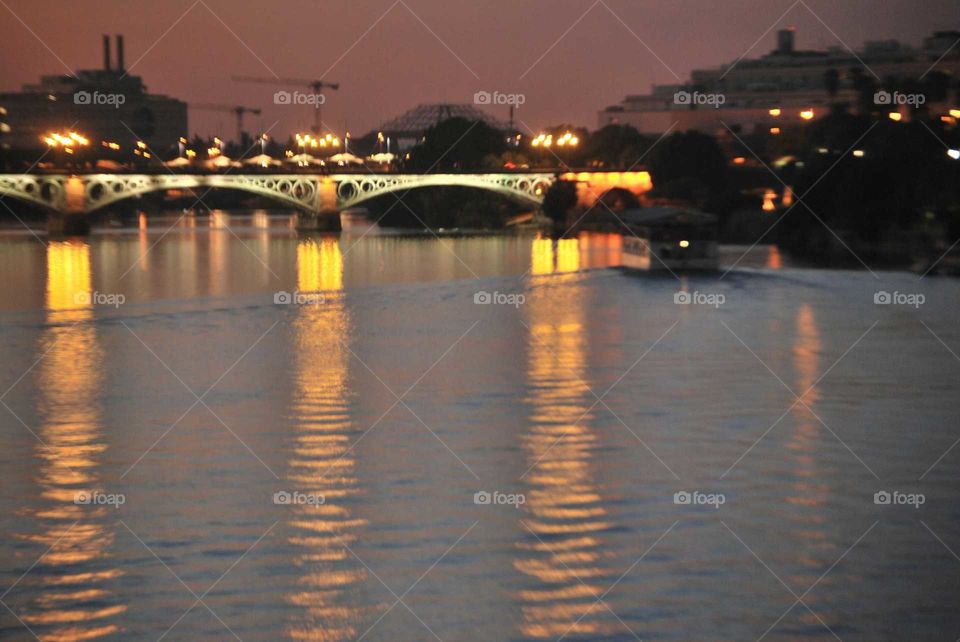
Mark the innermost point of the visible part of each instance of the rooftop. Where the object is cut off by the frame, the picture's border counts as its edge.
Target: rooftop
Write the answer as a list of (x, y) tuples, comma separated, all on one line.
[(423, 117)]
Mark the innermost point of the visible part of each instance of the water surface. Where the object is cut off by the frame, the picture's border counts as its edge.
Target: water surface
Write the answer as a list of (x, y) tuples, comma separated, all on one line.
[(396, 398)]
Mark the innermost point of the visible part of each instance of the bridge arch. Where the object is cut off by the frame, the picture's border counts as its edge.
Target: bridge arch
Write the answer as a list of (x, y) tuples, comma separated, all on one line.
[(353, 189), (45, 192), (101, 190)]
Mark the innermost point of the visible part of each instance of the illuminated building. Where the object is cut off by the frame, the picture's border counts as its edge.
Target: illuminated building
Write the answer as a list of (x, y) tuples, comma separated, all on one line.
[(780, 88)]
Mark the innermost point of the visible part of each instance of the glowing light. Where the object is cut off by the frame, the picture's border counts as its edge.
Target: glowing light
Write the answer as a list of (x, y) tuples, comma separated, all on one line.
[(568, 255), (67, 140), (739, 160), (954, 154), (684, 243), (541, 257), (807, 114), (859, 153), (319, 265), (768, 198), (567, 139), (895, 116), (775, 112), (775, 131), (955, 113), (787, 197)]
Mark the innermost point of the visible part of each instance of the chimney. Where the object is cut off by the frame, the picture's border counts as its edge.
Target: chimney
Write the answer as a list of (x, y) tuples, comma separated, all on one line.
[(785, 41), (106, 53), (120, 65)]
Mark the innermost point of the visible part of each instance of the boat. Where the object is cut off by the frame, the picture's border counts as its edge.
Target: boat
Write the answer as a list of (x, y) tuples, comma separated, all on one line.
[(669, 239)]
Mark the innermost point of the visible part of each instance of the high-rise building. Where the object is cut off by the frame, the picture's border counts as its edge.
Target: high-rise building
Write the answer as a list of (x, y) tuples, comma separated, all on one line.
[(102, 104)]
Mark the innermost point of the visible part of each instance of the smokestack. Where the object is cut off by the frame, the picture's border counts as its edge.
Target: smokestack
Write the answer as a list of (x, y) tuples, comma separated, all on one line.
[(120, 65), (785, 41), (106, 53)]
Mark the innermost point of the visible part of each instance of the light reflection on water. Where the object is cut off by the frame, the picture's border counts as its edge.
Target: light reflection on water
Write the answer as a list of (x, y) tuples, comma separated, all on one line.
[(563, 553), (75, 575), (321, 461)]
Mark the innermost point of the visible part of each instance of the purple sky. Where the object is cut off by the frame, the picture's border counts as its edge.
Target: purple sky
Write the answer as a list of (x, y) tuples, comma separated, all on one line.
[(391, 55)]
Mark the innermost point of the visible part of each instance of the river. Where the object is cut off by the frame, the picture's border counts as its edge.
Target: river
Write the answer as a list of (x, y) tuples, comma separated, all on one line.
[(213, 428)]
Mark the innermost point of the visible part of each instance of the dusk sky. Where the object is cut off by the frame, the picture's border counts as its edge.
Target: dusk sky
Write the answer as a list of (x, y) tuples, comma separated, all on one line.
[(390, 55)]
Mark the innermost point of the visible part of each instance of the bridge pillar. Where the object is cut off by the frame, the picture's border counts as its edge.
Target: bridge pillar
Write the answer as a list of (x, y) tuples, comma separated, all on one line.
[(328, 221), (325, 217), (72, 220)]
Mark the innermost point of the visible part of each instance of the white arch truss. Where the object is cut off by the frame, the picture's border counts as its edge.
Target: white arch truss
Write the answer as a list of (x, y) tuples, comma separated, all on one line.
[(353, 189)]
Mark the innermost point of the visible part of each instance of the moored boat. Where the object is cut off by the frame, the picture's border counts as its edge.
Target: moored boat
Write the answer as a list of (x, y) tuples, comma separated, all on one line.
[(668, 239)]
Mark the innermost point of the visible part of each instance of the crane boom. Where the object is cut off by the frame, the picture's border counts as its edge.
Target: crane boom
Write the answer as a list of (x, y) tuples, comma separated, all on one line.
[(315, 85)]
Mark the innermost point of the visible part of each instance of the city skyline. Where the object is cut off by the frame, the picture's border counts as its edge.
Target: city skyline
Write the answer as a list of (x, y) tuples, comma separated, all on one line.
[(413, 45)]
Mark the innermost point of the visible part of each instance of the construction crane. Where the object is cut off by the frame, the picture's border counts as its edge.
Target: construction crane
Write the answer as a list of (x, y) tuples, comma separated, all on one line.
[(238, 110), (317, 86)]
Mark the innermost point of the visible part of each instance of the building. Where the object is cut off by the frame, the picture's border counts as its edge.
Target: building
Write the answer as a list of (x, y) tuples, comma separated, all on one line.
[(784, 87), (101, 104), (408, 129)]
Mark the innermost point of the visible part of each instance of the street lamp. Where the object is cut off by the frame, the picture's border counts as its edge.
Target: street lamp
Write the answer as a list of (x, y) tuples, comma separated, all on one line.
[(68, 142)]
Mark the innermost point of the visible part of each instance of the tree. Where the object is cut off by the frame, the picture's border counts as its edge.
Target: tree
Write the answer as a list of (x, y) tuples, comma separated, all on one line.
[(616, 147), (560, 198), (456, 144), (689, 155), (900, 180)]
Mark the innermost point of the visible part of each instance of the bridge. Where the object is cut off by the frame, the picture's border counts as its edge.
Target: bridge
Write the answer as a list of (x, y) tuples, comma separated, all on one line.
[(315, 196)]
